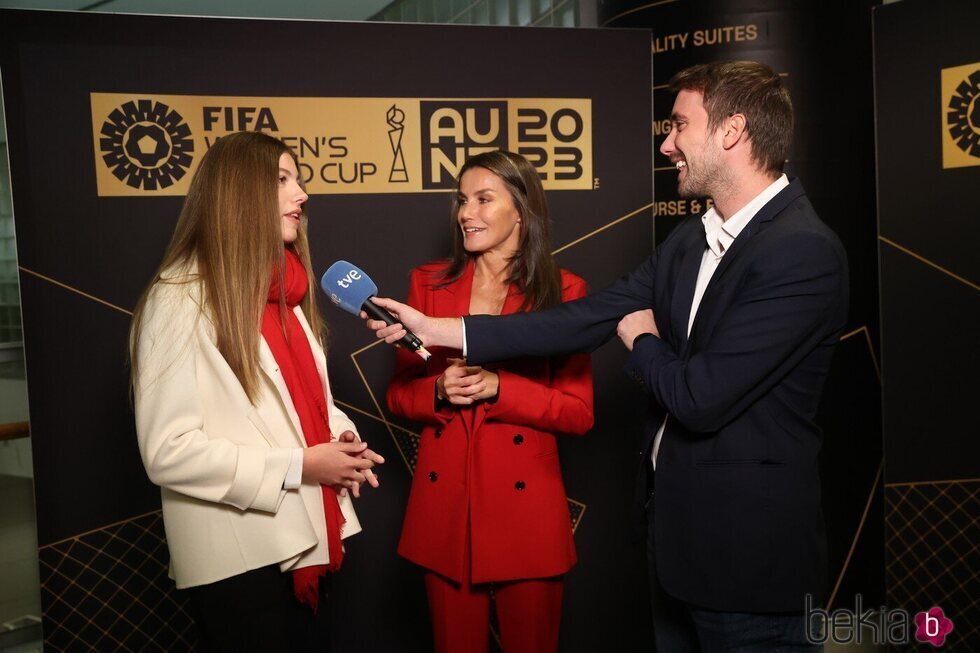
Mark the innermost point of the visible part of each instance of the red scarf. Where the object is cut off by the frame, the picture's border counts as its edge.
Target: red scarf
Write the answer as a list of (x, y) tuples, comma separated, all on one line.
[(292, 352)]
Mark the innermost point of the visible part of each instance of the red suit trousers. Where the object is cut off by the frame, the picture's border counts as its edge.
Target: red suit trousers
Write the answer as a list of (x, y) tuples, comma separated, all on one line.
[(528, 613)]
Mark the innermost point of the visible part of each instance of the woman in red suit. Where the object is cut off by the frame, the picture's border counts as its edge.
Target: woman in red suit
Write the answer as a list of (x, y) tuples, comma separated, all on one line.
[(487, 510)]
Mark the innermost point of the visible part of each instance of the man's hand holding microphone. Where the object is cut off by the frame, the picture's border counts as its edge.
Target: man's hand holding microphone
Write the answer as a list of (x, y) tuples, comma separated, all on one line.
[(352, 290), (432, 331)]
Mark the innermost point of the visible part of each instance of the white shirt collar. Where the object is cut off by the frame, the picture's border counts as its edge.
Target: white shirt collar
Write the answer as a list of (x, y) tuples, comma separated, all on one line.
[(720, 234)]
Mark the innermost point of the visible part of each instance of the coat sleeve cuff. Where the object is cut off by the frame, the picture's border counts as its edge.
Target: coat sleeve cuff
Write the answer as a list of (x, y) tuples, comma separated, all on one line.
[(647, 356), (294, 473), (428, 403), (259, 476)]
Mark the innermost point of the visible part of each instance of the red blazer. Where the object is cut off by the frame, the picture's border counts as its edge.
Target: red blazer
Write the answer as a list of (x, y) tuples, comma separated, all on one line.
[(495, 463)]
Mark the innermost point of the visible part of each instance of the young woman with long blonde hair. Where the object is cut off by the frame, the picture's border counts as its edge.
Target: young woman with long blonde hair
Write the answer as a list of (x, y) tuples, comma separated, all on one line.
[(234, 414)]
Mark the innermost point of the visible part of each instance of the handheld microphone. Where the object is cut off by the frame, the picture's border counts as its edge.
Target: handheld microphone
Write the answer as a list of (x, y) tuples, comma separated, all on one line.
[(351, 290)]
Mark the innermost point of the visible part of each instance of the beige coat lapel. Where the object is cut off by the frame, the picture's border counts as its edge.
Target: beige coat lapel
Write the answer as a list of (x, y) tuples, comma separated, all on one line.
[(271, 369)]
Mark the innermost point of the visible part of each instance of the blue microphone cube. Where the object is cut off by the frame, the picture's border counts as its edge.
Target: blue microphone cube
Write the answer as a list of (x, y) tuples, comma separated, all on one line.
[(347, 286)]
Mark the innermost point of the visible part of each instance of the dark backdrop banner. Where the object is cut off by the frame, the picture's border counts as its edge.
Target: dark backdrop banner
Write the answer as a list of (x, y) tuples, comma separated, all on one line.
[(107, 116), (927, 109), (823, 52)]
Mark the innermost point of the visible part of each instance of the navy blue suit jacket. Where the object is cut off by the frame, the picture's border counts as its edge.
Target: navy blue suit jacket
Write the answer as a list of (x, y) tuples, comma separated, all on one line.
[(739, 525)]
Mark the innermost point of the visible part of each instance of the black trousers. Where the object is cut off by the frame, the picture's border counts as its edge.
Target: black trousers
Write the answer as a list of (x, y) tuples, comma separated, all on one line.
[(257, 611), (680, 627)]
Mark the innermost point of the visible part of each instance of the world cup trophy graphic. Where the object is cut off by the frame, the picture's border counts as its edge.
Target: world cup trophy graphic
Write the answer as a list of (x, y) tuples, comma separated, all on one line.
[(396, 118)]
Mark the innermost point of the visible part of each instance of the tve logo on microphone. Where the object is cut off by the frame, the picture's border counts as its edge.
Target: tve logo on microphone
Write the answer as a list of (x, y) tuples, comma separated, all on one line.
[(349, 278), (345, 282)]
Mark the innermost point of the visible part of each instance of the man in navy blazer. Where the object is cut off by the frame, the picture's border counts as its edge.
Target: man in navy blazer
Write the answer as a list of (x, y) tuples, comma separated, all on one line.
[(731, 324)]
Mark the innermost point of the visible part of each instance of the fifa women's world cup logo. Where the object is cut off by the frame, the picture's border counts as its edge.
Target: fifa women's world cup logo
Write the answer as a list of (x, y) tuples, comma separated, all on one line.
[(396, 122)]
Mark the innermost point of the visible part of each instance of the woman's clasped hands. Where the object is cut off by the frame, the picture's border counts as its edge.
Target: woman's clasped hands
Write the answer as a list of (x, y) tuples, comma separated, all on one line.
[(345, 463), (463, 385)]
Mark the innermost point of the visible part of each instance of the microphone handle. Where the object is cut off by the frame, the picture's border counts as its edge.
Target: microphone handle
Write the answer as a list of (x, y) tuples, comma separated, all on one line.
[(410, 341)]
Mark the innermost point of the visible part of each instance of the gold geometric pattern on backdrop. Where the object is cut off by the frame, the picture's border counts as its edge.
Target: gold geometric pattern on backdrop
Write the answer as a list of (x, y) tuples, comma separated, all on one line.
[(932, 536), (873, 487), (108, 590)]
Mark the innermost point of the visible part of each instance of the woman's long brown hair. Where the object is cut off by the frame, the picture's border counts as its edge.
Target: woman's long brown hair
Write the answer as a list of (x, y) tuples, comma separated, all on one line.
[(532, 268), (230, 228)]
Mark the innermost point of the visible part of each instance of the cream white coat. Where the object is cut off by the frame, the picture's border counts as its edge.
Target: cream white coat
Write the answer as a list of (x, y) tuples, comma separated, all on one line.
[(220, 461)]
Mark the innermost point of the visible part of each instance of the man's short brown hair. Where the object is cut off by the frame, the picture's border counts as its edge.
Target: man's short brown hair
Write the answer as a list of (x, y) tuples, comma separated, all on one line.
[(752, 89)]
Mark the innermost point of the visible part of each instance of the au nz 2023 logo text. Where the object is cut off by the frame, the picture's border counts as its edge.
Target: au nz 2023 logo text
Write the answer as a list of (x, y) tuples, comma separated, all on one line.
[(555, 135)]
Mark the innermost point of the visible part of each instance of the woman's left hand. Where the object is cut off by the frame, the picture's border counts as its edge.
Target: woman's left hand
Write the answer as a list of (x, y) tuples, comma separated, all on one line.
[(372, 478), (465, 385)]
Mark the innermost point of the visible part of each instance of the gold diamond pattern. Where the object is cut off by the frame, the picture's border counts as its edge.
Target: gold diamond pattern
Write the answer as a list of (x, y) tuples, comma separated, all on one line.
[(408, 445), (108, 590), (932, 539)]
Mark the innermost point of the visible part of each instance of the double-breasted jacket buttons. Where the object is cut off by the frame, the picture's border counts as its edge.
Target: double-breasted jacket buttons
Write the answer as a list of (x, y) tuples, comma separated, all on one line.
[(519, 485), (433, 477), (438, 433)]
